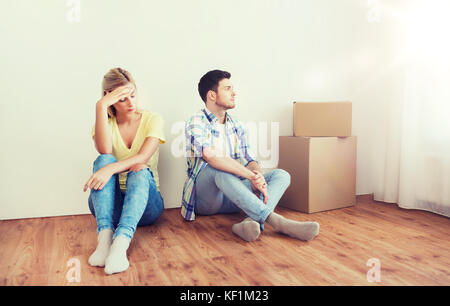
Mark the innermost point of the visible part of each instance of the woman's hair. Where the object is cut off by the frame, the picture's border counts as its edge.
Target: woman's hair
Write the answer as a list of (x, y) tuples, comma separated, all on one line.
[(115, 77)]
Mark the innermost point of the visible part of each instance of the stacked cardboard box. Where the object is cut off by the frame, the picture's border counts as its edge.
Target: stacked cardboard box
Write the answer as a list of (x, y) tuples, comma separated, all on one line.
[(321, 157)]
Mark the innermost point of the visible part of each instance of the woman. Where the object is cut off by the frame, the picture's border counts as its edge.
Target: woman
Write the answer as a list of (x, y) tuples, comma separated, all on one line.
[(125, 184)]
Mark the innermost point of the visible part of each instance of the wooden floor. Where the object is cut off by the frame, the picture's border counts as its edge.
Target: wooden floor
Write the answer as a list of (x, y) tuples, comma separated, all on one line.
[(412, 247)]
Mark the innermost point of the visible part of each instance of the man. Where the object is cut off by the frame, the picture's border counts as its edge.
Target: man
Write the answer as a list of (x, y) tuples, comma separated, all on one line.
[(223, 177)]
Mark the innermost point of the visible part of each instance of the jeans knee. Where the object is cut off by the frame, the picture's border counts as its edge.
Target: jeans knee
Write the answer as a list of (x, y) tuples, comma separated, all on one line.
[(142, 177), (103, 160), (143, 173), (284, 175), (138, 168), (221, 176)]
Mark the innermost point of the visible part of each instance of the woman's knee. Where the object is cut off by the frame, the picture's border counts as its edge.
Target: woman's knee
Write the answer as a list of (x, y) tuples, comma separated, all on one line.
[(138, 167), (141, 180), (104, 160), (143, 173)]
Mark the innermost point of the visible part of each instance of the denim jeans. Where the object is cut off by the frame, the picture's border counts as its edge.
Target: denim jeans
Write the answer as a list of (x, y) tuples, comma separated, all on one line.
[(219, 192), (141, 204)]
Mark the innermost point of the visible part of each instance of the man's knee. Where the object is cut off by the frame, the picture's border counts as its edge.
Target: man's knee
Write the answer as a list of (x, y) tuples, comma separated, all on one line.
[(222, 176), (211, 175), (283, 174)]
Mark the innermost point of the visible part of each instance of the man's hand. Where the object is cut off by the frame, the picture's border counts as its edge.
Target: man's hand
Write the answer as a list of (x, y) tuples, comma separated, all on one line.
[(99, 179), (259, 184)]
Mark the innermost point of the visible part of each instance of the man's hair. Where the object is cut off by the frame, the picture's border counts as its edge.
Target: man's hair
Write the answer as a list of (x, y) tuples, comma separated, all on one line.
[(210, 81)]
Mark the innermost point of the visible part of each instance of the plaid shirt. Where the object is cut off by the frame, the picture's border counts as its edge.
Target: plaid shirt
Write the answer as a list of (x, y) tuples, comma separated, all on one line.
[(201, 132)]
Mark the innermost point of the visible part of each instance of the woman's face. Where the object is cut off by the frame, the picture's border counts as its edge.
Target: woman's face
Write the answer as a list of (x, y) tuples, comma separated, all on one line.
[(128, 104)]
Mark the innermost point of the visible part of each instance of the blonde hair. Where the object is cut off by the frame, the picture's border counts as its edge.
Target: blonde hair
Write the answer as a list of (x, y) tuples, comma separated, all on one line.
[(115, 77)]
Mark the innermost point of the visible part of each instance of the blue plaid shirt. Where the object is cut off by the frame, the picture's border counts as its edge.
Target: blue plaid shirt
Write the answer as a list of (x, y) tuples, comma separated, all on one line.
[(201, 132)]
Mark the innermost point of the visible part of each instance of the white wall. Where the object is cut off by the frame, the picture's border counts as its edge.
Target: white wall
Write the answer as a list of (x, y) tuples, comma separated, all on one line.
[(278, 52)]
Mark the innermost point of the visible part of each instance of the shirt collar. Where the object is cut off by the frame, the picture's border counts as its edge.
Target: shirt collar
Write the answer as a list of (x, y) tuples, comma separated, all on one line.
[(212, 118)]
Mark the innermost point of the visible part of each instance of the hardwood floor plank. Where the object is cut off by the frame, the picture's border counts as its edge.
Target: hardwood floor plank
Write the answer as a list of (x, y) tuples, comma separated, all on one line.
[(412, 246)]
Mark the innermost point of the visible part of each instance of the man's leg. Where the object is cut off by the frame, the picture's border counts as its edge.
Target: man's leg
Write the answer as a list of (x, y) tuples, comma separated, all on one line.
[(210, 200), (277, 182), (240, 194)]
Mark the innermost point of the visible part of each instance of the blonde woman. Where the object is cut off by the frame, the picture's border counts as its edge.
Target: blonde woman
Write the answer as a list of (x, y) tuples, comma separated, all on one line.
[(125, 183)]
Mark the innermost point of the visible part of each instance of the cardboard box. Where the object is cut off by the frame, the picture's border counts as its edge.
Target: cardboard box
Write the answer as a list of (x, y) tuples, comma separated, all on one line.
[(323, 119), (323, 172)]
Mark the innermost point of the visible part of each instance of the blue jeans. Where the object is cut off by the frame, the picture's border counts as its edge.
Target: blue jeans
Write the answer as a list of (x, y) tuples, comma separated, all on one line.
[(219, 192), (141, 204)]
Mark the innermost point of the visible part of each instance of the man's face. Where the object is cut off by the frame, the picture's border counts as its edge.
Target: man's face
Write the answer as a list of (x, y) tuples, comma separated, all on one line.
[(225, 94)]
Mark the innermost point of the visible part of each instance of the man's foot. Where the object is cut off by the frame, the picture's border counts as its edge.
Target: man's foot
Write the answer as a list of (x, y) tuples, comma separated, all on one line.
[(296, 229), (248, 229)]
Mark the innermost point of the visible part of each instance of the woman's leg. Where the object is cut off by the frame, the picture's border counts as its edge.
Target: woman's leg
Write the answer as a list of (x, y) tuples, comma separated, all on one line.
[(102, 201), (118, 203), (140, 188), (155, 204), (101, 204), (142, 204)]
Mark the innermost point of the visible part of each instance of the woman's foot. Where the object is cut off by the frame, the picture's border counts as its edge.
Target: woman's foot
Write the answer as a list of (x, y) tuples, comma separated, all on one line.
[(97, 259), (117, 259)]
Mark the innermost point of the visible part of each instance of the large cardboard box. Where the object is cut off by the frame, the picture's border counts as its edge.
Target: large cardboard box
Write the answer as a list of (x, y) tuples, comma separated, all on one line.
[(323, 119), (323, 172)]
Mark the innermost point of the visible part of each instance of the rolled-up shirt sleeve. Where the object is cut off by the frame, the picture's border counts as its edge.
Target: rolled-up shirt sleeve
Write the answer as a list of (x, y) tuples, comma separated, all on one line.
[(196, 137)]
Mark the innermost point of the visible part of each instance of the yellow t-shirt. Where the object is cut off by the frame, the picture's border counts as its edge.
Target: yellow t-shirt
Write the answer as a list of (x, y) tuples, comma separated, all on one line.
[(151, 125)]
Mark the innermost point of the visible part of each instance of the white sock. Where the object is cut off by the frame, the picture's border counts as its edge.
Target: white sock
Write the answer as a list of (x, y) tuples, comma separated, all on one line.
[(117, 259), (248, 229), (104, 239), (296, 229)]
